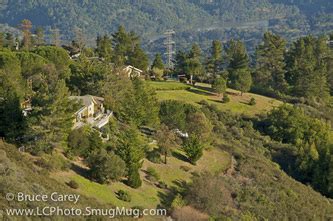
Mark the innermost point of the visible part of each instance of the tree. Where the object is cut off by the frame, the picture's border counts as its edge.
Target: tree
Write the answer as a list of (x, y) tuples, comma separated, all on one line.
[(130, 148), (307, 65), (12, 122), (56, 37), (39, 36), (122, 45), (193, 63), (9, 40), (26, 26), (219, 85), (198, 125), (166, 140), (158, 62), (59, 57), (106, 167), (193, 149), (172, 113), (79, 40), (138, 58), (104, 47), (214, 64), (238, 68), (52, 117), (270, 64), (180, 62)]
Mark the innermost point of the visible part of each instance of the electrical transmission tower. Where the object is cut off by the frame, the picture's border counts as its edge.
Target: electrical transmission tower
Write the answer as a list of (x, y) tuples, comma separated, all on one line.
[(169, 44)]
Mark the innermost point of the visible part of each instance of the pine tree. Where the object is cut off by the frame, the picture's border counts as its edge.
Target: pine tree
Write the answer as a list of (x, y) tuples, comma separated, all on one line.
[(308, 68), (26, 26), (138, 58), (56, 37), (238, 68), (104, 47), (180, 62), (158, 62), (194, 66), (39, 36), (214, 63), (270, 65), (122, 46)]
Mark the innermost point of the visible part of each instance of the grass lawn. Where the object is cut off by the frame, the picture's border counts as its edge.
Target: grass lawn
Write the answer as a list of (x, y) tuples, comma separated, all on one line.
[(238, 104), (148, 195)]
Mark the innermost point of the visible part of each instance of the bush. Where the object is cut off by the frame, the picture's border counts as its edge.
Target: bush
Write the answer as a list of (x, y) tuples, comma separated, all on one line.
[(105, 167), (225, 98), (252, 101), (178, 202), (152, 174), (162, 185), (185, 168), (134, 179), (154, 156), (124, 196), (73, 184), (193, 149)]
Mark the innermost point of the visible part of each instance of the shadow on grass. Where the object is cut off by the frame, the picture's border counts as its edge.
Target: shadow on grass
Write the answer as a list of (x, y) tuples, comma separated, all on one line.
[(80, 171), (216, 101), (204, 88), (166, 198), (179, 156), (196, 91)]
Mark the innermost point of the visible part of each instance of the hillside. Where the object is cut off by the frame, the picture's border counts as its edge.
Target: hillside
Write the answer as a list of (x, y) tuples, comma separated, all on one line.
[(194, 20), (253, 186)]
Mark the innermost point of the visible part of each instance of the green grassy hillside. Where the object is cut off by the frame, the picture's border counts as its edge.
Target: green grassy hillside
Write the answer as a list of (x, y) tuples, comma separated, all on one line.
[(194, 94)]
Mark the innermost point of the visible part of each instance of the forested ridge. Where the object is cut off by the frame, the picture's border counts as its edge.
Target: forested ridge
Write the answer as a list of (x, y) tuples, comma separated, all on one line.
[(193, 20)]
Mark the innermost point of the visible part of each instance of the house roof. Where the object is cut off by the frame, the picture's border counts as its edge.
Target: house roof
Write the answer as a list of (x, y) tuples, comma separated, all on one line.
[(87, 100)]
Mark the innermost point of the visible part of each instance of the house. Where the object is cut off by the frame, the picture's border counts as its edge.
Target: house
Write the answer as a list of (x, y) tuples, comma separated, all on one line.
[(92, 112), (132, 71), (26, 107)]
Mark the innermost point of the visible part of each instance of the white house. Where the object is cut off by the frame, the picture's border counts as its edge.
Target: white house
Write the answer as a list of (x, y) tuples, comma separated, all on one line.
[(91, 112)]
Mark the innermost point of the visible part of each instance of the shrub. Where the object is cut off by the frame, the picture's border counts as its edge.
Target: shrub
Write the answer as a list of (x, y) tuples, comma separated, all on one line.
[(134, 179), (124, 196), (154, 156), (225, 98), (162, 185), (152, 174), (105, 167), (252, 101), (193, 149), (178, 202), (73, 184), (185, 168)]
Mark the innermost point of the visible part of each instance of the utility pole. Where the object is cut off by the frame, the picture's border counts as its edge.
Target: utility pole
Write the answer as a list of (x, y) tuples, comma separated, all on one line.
[(169, 44)]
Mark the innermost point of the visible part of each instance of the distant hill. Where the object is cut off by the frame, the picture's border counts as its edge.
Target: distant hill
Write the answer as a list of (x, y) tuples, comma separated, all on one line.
[(193, 20)]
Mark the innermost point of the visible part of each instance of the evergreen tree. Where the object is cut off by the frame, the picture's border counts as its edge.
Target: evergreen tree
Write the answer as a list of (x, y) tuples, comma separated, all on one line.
[(158, 62), (138, 58), (122, 46), (194, 66), (180, 62), (12, 122), (270, 65), (214, 63), (52, 117), (39, 36), (26, 26), (104, 47), (131, 149), (9, 40), (308, 68), (56, 37), (219, 85), (239, 73)]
